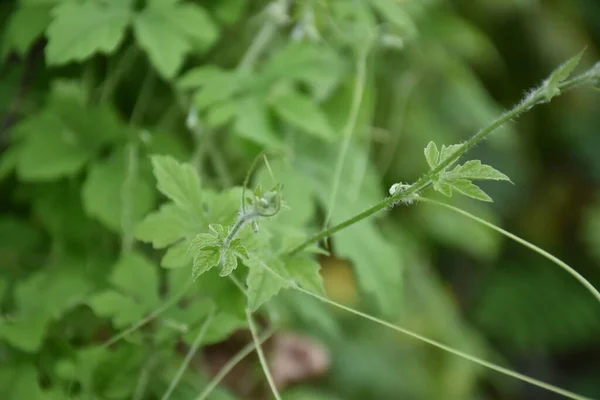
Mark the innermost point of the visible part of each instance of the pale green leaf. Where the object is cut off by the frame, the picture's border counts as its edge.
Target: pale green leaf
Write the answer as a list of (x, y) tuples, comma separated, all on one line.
[(301, 112), (200, 76), (432, 155), (79, 30), (562, 73), (165, 226), (262, 283), (163, 43), (134, 274), (447, 151), (102, 193), (222, 113), (253, 122), (168, 32), (467, 188), (475, 170), (443, 188), (230, 263), (220, 88), (204, 260), (180, 183), (305, 272), (177, 256), (318, 66), (122, 309), (393, 12)]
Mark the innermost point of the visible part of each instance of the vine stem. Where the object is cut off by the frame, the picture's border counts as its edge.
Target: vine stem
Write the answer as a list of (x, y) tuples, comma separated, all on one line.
[(349, 128), (519, 240), (190, 354), (432, 342), (237, 358), (261, 355), (166, 305), (538, 96)]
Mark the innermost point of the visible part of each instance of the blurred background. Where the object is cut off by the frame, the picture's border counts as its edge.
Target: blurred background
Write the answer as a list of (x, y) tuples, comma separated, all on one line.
[(85, 88)]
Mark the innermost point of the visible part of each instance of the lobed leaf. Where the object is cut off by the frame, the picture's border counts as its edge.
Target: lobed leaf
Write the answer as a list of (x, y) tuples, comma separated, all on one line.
[(204, 260), (301, 112), (432, 155), (475, 170), (467, 188), (78, 30)]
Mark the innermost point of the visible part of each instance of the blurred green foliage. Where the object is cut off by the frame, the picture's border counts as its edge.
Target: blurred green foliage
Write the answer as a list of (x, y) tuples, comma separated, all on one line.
[(89, 89)]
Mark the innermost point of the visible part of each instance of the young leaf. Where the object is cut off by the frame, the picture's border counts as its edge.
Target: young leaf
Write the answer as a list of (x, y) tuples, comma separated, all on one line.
[(230, 263), (305, 271), (467, 188), (80, 29), (262, 283), (443, 188), (448, 151), (180, 183), (167, 32), (560, 74), (432, 155), (475, 170), (300, 111), (204, 260)]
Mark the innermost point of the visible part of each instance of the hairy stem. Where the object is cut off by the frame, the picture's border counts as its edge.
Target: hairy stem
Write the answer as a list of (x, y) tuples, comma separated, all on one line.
[(261, 355), (536, 97), (189, 355), (235, 360), (519, 240)]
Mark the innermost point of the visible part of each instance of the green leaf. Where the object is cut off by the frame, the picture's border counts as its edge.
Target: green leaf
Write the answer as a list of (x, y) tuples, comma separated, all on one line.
[(204, 260), (79, 30), (50, 150), (305, 271), (121, 309), (474, 170), (200, 76), (102, 192), (448, 151), (317, 66), (467, 188), (165, 226), (26, 24), (560, 74), (432, 155), (393, 12), (177, 256), (253, 122), (168, 32), (301, 112), (134, 274), (262, 283), (180, 183), (25, 332), (443, 188), (229, 263)]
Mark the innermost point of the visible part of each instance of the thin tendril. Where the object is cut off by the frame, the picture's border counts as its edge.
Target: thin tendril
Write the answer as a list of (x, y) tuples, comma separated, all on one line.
[(168, 304), (189, 354), (434, 343), (239, 356), (261, 355), (519, 240)]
